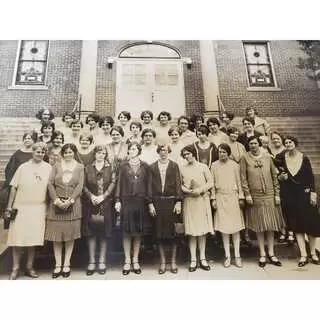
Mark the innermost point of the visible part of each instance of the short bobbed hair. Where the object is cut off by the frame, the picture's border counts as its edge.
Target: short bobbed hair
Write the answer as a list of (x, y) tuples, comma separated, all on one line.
[(148, 130), (161, 146), (164, 113), (68, 146), (292, 138), (127, 114), (118, 129), (225, 147), (134, 143), (190, 149), (213, 120), (249, 120), (143, 113), (106, 119)]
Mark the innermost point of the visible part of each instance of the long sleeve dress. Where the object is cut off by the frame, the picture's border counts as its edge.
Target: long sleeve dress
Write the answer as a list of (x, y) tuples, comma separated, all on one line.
[(98, 183), (134, 192), (227, 191), (206, 156), (196, 209), (295, 193), (259, 182), (166, 192), (65, 183)]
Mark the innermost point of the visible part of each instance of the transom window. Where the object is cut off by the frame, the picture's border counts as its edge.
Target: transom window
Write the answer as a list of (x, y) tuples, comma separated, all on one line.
[(32, 63), (258, 64)]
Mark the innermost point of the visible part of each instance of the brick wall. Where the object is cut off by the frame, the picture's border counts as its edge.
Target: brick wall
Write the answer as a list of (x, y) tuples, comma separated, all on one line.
[(298, 96), (62, 80), (106, 78)]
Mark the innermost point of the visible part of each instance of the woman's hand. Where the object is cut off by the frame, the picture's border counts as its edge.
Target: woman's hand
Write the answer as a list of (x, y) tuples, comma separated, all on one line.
[(100, 199), (117, 206), (313, 198), (177, 207), (241, 203), (277, 200), (249, 200), (283, 176), (195, 192), (152, 210)]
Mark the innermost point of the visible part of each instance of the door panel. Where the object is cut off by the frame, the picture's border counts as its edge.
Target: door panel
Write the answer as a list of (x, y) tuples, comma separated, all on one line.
[(154, 85)]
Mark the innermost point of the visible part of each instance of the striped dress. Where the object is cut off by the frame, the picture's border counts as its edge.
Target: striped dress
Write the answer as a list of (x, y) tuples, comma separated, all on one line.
[(65, 183)]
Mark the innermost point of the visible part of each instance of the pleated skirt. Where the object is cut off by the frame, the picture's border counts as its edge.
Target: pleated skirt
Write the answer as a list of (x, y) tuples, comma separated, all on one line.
[(63, 230)]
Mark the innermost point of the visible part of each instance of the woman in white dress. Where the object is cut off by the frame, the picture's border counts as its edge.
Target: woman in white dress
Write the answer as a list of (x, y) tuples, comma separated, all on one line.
[(146, 117), (28, 196), (106, 123), (196, 184), (162, 130), (175, 145), (227, 197)]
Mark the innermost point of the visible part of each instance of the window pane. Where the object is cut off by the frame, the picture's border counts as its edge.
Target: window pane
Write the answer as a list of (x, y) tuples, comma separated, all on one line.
[(34, 50), (256, 53), (260, 75), (166, 74), (149, 51), (31, 72)]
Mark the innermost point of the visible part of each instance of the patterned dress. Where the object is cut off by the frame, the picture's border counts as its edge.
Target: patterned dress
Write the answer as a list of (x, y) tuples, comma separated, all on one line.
[(259, 181)]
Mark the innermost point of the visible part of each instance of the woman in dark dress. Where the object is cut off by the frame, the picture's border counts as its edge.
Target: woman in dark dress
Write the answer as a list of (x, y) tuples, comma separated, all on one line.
[(99, 185), (299, 200), (132, 199), (206, 152), (248, 131), (85, 150), (166, 198)]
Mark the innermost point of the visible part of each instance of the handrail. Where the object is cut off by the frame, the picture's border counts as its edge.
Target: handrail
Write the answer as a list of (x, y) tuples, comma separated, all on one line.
[(221, 107), (77, 105)]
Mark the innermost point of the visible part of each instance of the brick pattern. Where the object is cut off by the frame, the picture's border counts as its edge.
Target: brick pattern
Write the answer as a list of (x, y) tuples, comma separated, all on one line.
[(298, 96), (62, 80), (106, 78)]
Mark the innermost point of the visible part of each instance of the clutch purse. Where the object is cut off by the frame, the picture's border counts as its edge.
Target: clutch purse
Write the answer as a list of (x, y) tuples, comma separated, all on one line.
[(9, 215), (96, 221)]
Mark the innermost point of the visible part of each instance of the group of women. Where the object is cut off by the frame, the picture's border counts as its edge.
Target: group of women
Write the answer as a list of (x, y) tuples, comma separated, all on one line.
[(81, 181)]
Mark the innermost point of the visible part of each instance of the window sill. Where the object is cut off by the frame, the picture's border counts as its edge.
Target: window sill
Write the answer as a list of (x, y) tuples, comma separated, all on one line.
[(263, 89), (26, 87)]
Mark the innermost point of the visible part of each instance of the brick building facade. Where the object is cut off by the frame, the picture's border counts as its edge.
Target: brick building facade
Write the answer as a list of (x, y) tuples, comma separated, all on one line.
[(210, 68)]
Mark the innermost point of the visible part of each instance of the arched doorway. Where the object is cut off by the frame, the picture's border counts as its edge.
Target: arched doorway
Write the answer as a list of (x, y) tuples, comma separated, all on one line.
[(150, 77)]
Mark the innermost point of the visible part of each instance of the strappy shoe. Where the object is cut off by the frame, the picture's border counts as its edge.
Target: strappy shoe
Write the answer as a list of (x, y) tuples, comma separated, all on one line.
[(262, 262), (162, 268), (205, 266), (302, 262), (66, 271), (314, 259), (57, 272), (31, 273), (136, 267), (238, 262), (126, 268), (14, 274), (193, 266), (91, 268), (275, 261), (227, 262), (102, 268)]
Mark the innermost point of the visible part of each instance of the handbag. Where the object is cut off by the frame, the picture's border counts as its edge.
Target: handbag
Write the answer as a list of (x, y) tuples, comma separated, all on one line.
[(179, 225), (97, 218)]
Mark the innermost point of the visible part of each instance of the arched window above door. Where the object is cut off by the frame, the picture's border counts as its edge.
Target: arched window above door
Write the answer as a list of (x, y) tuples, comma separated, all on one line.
[(149, 51)]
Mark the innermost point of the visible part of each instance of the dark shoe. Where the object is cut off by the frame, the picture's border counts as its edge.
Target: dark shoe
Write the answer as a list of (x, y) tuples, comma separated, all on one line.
[(262, 262), (90, 271), (136, 268), (102, 268), (203, 266), (126, 271), (14, 274), (302, 262), (315, 259), (173, 268), (31, 273), (56, 274), (193, 266), (162, 268), (274, 260), (66, 271)]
